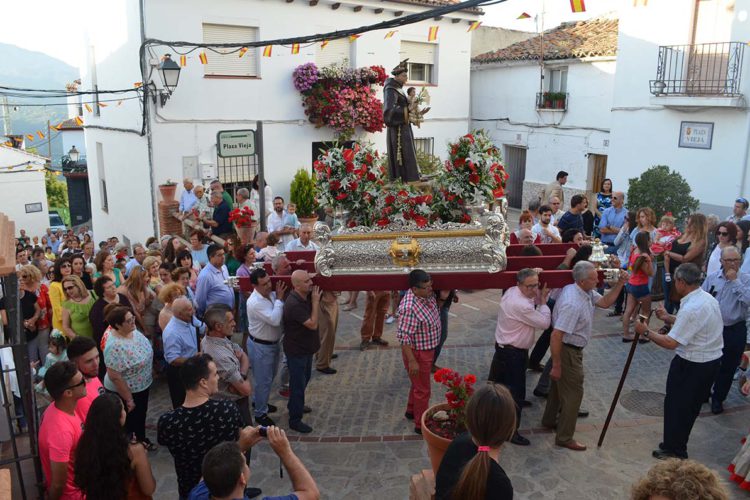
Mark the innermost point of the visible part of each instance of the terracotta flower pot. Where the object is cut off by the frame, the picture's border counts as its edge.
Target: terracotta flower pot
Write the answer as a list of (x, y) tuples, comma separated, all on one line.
[(308, 220), (436, 445), (168, 191), (246, 234)]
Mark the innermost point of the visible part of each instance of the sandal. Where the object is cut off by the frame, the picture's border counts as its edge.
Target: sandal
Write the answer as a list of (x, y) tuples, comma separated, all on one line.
[(149, 445)]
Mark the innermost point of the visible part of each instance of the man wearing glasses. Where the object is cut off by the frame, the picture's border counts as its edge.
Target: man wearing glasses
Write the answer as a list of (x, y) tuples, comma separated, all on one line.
[(522, 310), (61, 429), (419, 334), (732, 289), (211, 287), (612, 220), (739, 212)]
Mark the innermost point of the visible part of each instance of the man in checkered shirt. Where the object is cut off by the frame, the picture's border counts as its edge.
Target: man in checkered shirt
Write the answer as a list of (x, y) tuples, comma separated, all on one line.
[(418, 334)]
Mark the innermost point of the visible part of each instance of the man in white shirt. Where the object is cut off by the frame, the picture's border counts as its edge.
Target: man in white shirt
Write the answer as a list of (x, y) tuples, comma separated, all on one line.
[(544, 228), (276, 225), (554, 203), (265, 310), (696, 337), (303, 242)]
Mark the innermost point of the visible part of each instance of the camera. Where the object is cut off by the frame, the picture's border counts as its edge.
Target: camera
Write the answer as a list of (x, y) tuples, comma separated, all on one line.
[(263, 431)]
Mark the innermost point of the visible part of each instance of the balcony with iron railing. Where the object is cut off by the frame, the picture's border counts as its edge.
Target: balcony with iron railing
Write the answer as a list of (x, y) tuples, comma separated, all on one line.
[(551, 101), (706, 74)]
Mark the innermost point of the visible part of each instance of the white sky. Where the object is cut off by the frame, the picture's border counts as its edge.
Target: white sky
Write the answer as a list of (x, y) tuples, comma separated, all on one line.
[(56, 28)]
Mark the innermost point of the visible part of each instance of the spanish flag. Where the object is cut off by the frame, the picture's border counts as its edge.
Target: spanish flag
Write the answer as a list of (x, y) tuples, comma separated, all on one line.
[(473, 26), (183, 61), (30, 137), (323, 44), (79, 121), (389, 35), (432, 34), (40, 134), (242, 51), (295, 48), (203, 57), (88, 108), (577, 6), (524, 15), (267, 50), (353, 37)]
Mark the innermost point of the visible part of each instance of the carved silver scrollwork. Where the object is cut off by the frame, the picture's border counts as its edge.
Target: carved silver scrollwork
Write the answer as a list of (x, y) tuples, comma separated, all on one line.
[(326, 256), (493, 250)]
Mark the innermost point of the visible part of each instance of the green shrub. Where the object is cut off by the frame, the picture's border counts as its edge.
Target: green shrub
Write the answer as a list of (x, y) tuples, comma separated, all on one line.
[(664, 191), (429, 164), (302, 193)]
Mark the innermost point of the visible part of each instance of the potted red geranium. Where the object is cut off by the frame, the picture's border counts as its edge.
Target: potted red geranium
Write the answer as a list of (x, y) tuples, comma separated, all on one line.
[(443, 422), (244, 221)]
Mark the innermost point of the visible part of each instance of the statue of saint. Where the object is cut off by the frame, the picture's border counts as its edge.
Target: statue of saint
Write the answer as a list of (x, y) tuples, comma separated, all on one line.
[(402, 156)]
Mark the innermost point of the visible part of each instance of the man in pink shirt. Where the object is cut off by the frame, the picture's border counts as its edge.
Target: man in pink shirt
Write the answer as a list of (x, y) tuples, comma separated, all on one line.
[(83, 352), (522, 310), (61, 429)]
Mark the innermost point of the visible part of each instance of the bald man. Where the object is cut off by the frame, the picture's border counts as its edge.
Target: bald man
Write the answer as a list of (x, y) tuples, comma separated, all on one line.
[(525, 237), (304, 242), (301, 341), (180, 344)]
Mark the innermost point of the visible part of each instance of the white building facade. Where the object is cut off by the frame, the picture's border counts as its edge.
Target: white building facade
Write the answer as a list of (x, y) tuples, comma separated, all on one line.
[(24, 198), (543, 133), (680, 96), (229, 93)]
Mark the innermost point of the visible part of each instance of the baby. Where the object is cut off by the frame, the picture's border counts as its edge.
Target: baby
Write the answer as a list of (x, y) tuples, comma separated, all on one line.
[(416, 115), (57, 352), (291, 220), (665, 235), (268, 252)]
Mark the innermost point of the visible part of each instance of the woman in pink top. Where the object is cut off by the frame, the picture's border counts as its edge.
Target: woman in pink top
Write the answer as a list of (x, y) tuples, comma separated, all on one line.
[(640, 268)]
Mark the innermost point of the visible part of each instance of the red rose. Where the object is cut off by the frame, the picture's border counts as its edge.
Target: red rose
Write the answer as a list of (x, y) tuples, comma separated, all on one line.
[(341, 196), (371, 177), (474, 179), (390, 199), (335, 185), (470, 379)]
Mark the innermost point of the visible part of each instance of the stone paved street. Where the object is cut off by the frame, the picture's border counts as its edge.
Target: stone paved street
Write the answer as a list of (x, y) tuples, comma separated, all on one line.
[(362, 447)]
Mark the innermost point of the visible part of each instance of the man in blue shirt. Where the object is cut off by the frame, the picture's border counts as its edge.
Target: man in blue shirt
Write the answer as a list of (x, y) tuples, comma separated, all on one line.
[(180, 343), (211, 287), (612, 219), (220, 224), (572, 219), (187, 198), (139, 255)]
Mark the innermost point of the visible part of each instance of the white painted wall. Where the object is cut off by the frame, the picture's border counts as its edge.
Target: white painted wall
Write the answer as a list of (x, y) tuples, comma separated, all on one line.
[(19, 188), (646, 134), (200, 106), (503, 102)]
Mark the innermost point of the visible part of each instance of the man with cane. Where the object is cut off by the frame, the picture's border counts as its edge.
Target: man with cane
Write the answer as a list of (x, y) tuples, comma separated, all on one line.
[(696, 338)]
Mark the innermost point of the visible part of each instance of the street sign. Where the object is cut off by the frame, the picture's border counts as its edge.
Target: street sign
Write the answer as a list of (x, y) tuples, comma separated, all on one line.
[(230, 143)]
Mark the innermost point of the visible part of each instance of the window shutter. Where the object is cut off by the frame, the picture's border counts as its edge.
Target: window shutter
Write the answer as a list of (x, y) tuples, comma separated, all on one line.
[(335, 52), (230, 64), (417, 52)]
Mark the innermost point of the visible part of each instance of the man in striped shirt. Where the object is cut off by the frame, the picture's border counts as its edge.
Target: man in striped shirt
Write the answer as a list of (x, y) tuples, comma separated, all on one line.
[(419, 334)]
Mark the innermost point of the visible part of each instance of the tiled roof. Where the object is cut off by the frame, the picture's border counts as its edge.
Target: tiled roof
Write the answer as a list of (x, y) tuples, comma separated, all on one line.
[(70, 124), (595, 37)]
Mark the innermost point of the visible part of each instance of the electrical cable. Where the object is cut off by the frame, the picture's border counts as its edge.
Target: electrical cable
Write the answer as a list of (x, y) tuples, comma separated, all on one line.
[(62, 93), (69, 103)]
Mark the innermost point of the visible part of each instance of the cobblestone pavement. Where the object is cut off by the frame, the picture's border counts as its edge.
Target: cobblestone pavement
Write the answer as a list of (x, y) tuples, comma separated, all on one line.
[(362, 447)]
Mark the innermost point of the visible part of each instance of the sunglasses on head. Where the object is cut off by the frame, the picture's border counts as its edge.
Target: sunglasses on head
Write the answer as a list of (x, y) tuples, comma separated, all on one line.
[(722, 233)]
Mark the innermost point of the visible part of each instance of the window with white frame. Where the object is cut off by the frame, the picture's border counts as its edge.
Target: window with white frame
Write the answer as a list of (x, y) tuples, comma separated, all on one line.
[(557, 80), (335, 52), (422, 60), (230, 64)]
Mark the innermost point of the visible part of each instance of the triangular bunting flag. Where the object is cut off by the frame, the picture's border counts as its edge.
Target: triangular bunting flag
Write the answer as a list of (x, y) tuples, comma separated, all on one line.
[(88, 108), (389, 35), (103, 104), (183, 61), (433, 33), (323, 44), (242, 52), (30, 137), (353, 37), (79, 120), (138, 84), (203, 57), (524, 15), (295, 48), (40, 134), (267, 51), (577, 6), (473, 26)]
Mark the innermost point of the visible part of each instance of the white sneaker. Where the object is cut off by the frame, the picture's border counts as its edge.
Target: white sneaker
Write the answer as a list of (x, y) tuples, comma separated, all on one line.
[(389, 319)]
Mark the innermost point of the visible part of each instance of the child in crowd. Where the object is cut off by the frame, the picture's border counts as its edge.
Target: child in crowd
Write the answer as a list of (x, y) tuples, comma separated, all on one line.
[(665, 235), (49, 254), (291, 219), (268, 252), (57, 352)]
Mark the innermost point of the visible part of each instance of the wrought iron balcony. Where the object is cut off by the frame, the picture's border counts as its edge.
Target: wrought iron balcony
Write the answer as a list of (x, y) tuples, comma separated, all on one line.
[(706, 69), (552, 101)]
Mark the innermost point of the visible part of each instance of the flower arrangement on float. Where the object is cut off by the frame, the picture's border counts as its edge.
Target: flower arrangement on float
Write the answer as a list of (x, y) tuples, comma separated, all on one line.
[(474, 175), (402, 203), (242, 217), (340, 97)]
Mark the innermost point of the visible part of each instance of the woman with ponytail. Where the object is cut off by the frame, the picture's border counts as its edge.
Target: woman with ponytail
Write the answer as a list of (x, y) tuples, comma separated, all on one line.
[(470, 468)]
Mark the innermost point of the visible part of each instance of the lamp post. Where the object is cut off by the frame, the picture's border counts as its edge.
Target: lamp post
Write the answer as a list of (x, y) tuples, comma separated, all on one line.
[(74, 155), (169, 71)]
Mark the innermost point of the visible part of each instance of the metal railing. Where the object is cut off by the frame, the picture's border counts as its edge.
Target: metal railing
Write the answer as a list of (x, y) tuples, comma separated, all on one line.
[(706, 69), (557, 101)]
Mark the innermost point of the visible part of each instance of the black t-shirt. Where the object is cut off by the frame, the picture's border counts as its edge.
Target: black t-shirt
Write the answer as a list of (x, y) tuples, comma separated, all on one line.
[(190, 432), (459, 453), (298, 339), (28, 301), (569, 220)]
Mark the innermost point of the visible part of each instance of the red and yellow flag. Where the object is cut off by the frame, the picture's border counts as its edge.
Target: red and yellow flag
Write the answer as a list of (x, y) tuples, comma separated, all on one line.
[(577, 6), (267, 50), (203, 57), (524, 15), (295, 48), (79, 121), (58, 126), (323, 44), (353, 37), (30, 137), (183, 61), (389, 35), (473, 26), (88, 108), (242, 52), (40, 134), (432, 34)]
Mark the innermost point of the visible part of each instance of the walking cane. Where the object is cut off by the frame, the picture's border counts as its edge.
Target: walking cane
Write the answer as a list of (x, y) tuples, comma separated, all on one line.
[(622, 382)]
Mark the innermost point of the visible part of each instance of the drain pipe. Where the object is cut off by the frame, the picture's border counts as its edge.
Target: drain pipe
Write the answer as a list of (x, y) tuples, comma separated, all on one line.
[(149, 141)]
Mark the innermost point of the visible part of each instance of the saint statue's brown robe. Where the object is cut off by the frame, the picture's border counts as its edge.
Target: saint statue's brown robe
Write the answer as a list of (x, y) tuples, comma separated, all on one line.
[(402, 157)]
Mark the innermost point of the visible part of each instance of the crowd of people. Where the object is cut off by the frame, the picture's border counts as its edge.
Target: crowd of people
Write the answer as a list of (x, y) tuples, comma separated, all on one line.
[(100, 325)]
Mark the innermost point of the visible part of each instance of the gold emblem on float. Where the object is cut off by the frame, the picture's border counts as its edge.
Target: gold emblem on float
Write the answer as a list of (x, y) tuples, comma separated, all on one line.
[(405, 251)]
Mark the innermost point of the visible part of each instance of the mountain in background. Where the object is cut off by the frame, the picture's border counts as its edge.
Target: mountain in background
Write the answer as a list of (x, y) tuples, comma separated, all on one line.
[(28, 69)]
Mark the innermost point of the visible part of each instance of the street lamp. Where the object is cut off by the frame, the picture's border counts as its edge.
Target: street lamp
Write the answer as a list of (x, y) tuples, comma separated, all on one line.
[(170, 76), (74, 155)]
